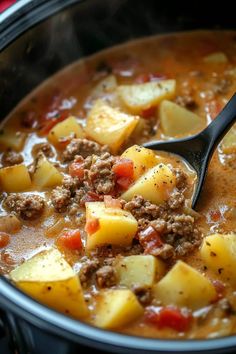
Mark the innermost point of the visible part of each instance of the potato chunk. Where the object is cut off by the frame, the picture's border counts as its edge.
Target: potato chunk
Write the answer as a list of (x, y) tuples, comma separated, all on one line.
[(155, 185), (228, 144), (105, 86), (113, 226), (178, 121), (219, 254), (116, 308), (141, 270), (46, 175), (15, 178), (142, 96), (143, 159), (216, 58), (65, 129), (12, 140), (109, 126), (50, 279), (185, 287)]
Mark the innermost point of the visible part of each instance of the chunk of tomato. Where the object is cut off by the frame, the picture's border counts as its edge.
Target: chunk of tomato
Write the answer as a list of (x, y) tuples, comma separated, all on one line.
[(123, 168), (4, 239), (70, 239), (112, 202), (170, 317), (92, 225), (76, 169)]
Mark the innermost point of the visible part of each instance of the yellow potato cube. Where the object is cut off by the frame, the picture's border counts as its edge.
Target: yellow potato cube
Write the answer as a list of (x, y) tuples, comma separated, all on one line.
[(114, 226), (65, 129), (141, 270), (116, 308), (109, 126), (143, 159), (15, 178), (155, 185), (177, 121), (216, 58), (184, 286), (46, 175), (142, 96), (105, 86), (219, 254), (50, 279), (12, 140)]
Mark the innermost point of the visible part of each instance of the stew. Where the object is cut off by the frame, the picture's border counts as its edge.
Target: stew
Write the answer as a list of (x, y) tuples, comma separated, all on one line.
[(101, 228)]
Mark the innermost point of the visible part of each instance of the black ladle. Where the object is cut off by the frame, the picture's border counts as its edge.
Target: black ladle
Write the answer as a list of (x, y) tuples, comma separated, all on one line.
[(197, 150)]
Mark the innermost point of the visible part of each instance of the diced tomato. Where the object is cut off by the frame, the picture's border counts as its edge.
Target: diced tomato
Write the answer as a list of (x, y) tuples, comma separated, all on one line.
[(171, 317), (92, 225), (90, 197), (215, 215), (123, 168), (150, 239), (148, 112), (112, 202), (124, 182), (49, 124), (4, 239), (76, 169), (220, 288), (149, 77), (70, 239)]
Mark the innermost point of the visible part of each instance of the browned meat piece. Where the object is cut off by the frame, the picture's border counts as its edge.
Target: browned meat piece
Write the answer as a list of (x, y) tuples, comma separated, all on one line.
[(100, 174), (27, 206), (142, 209), (70, 183), (176, 200), (87, 270), (10, 158), (61, 198), (82, 147), (143, 294), (106, 276), (181, 179), (44, 148), (166, 251), (179, 231)]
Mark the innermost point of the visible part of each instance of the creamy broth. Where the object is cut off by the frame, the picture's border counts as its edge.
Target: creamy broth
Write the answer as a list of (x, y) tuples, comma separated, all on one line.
[(202, 87)]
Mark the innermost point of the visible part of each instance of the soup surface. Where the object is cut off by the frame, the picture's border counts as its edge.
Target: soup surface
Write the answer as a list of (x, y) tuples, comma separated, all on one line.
[(102, 229)]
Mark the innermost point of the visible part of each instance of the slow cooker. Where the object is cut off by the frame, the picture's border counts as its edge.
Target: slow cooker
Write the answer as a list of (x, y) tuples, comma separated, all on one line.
[(38, 38)]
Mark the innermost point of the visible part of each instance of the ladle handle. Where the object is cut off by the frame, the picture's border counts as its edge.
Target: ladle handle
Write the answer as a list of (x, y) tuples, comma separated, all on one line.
[(220, 125)]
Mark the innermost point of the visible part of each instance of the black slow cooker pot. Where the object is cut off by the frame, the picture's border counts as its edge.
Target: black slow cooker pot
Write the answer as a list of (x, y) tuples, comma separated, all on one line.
[(37, 38)]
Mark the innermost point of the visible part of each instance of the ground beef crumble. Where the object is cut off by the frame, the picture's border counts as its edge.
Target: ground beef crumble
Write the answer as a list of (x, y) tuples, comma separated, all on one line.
[(60, 198), (44, 148), (27, 206), (100, 174), (143, 294), (84, 148), (98, 180), (87, 270), (106, 276), (10, 158), (178, 231)]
